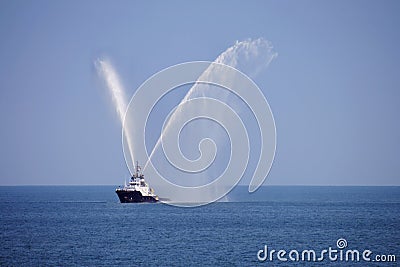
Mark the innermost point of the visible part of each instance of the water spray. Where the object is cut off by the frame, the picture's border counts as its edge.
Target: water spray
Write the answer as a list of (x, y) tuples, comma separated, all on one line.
[(108, 73)]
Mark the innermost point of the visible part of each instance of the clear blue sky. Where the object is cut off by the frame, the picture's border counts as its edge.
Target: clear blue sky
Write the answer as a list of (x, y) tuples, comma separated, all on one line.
[(334, 88)]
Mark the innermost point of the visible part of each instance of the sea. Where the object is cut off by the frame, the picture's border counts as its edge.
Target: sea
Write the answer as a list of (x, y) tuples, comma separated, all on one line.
[(87, 226)]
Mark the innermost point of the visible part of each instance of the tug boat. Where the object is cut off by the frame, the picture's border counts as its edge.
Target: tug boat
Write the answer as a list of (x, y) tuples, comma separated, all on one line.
[(137, 190)]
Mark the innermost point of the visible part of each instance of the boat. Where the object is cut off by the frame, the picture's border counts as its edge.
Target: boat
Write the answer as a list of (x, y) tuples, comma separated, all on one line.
[(137, 190)]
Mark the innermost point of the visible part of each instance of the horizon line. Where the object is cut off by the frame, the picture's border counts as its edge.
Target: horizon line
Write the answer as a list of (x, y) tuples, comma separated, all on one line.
[(241, 185)]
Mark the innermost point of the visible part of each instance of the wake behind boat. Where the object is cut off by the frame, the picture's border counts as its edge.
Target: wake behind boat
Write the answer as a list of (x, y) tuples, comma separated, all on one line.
[(137, 190)]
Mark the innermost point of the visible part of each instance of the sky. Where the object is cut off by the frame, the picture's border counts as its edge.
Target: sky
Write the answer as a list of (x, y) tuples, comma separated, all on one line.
[(334, 88)]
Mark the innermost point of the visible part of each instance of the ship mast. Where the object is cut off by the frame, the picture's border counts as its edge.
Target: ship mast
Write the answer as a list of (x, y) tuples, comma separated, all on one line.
[(138, 169)]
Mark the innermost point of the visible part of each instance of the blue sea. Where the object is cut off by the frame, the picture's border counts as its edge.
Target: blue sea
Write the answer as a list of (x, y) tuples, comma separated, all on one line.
[(87, 226)]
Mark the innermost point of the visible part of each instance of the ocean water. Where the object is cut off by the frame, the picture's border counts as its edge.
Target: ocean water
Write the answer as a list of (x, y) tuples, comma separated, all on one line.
[(87, 226)]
